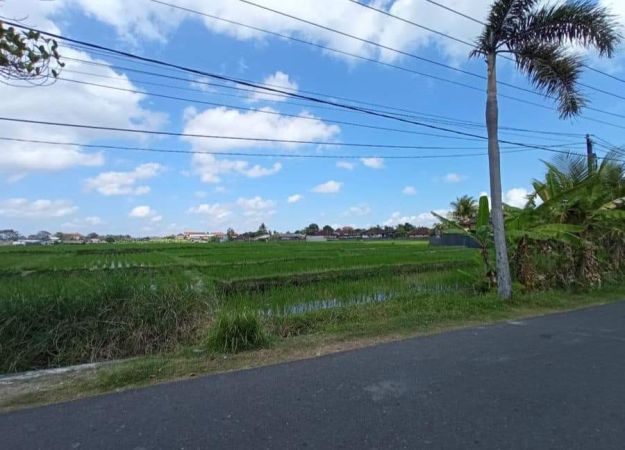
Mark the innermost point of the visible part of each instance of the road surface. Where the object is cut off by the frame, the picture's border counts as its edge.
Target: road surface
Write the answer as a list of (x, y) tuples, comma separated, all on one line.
[(554, 382)]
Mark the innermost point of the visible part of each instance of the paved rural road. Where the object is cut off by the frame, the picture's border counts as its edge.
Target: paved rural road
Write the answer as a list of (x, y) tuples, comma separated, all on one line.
[(555, 382)]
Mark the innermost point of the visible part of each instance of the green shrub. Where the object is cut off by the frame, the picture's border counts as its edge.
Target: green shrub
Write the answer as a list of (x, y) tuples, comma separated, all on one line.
[(234, 332), (50, 321)]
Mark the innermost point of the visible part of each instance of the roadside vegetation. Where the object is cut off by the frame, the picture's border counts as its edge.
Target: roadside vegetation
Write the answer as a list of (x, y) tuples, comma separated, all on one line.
[(66, 305), (180, 309)]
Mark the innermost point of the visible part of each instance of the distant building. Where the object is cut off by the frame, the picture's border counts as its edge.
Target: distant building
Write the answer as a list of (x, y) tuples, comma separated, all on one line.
[(420, 233), (218, 235), (71, 238), (454, 240), (28, 242), (201, 236), (320, 238), (289, 236)]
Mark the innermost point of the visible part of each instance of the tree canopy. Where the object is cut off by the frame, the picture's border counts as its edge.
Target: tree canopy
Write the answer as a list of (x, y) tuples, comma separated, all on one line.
[(28, 56)]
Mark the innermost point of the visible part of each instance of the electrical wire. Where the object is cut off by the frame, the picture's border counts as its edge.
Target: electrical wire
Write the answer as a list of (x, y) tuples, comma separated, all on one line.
[(270, 155), (251, 139)]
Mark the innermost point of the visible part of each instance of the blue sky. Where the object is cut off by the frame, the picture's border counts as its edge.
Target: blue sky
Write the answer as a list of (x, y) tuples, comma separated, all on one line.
[(114, 191)]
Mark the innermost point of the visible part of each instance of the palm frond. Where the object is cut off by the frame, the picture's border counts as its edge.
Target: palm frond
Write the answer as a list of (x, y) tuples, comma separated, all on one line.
[(554, 72), (581, 22), (498, 24)]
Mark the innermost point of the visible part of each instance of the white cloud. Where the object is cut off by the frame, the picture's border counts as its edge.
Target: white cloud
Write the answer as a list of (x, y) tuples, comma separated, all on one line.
[(257, 171), (345, 165), (373, 163), (124, 183), (229, 122), (424, 219), (257, 208), (82, 224), (141, 212), (295, 198), (155, 22), (278, 80), (215, 212), (453, 178), (64, 101), (22, 208), (617, 7), (210, 168), (329, 187), (409, 190), (358, 210), (145, 212), (255, 124), (516, 197)]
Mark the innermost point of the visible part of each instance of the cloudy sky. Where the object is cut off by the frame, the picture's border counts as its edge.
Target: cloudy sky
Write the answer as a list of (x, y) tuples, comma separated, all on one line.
[(86, 188)]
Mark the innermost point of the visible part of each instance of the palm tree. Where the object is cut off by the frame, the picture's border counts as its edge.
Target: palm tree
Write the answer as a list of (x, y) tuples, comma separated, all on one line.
[(464, 210), (537, 36)]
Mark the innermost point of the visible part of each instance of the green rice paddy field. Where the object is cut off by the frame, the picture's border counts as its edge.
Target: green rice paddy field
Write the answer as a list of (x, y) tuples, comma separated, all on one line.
[(64, 305)]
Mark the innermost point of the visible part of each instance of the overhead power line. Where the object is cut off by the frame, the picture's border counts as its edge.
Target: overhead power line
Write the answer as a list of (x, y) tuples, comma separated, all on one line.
[(481, 22), (469, 44), (410, 22), (364, 58), (466, 16), (395, 66), (272, 155), (277, 113), (253, 139), (251, 154), (382, 46), (231, 138), (408, 113), (254, 85), (255, 110), (606, 74), (412, 55)]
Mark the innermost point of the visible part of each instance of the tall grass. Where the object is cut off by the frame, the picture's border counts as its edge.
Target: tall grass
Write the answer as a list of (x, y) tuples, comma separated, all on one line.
[(72, 304), (53, 321), (235, 332)]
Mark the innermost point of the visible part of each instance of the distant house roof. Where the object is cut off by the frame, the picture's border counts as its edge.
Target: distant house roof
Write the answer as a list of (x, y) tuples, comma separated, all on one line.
[(72, 236)]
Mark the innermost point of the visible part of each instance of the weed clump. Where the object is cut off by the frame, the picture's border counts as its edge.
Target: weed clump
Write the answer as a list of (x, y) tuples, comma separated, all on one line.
[(50, 321), (235, 332)]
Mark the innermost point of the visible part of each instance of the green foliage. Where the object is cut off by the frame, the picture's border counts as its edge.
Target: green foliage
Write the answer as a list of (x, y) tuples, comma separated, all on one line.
[(26, 55), (576, 236), (538, 37), (50, 320), (68, 304), (463, 210), (482, 233), (235, 332), (483, 213)]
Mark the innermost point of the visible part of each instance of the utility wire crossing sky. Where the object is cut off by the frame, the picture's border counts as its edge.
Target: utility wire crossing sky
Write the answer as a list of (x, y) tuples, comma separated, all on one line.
[(338, 111)]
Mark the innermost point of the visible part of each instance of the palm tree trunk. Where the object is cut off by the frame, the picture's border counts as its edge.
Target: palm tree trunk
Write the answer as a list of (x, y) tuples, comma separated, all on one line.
[(504, 283)]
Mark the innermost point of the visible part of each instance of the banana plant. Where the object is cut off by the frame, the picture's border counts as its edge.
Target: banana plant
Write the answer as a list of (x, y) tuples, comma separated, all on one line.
[(482, 234)]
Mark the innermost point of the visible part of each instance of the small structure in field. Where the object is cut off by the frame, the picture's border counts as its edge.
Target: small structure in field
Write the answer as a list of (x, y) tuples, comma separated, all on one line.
[(316, 238)]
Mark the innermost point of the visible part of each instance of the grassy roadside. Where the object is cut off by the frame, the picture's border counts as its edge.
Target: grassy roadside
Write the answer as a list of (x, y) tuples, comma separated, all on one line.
[(308, 335)]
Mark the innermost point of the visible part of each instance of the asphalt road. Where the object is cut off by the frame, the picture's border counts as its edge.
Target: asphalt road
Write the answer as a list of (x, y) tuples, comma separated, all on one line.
[(555, 382)]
